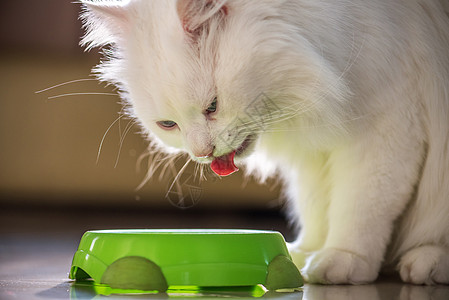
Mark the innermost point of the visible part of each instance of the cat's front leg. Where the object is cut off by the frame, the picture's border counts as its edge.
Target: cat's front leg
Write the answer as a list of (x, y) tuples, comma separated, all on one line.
[(309, 206), (373, 178)]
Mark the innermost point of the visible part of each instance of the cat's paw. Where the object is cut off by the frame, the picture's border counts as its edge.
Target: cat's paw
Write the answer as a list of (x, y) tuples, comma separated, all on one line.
[(425, 265), (333, 266)]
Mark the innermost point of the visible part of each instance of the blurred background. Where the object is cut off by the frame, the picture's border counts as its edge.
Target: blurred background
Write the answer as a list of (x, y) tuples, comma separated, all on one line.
[(53, 175)]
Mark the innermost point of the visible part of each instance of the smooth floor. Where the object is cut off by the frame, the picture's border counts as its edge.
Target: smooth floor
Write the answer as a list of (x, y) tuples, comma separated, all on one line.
[(36, 249)]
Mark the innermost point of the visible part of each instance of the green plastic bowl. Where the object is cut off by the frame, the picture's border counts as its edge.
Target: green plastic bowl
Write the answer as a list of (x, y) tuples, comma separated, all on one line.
[(154, 260)]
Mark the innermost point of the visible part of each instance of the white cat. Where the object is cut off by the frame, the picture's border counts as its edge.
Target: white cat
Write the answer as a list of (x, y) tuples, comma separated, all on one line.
[(347, 101)]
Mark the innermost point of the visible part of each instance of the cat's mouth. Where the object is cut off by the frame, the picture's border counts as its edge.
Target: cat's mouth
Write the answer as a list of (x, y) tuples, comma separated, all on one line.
[(246, 143), (224, 165)]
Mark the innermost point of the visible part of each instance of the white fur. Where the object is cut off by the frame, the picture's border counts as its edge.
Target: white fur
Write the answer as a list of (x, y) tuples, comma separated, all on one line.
[(349, 101)]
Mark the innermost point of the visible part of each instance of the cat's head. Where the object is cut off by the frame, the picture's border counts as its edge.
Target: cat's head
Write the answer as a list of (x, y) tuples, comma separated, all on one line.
[(207, 77)]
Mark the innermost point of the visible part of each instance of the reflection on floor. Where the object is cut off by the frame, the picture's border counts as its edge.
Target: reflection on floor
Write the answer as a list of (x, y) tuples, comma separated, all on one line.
[(382, 290), (36, 251)]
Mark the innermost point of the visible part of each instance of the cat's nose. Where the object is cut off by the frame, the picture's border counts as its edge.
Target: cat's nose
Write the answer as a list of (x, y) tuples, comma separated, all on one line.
[(199, 142), (204, 154)]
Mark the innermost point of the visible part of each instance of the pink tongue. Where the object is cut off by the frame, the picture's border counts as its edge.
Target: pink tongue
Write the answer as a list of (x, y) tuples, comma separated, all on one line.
[(224, 165)]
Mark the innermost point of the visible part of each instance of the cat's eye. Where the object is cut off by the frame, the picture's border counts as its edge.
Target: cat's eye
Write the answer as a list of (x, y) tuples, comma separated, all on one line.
[(212, 107), (166, 124)]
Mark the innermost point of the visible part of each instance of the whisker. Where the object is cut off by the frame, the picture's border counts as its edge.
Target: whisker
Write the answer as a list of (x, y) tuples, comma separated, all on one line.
[(151, 168), (65, 83), (202, 172), (144, 155), (122, 139), (195, 170), (82, 94), (178, 188), (149, 172), (156, 160), (175, 180), (168, 160), (172, 159), (104, 136), (198, 172)]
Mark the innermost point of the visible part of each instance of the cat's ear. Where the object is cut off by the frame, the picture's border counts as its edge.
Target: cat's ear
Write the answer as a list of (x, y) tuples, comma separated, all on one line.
[(105, 22), (194, 14)]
